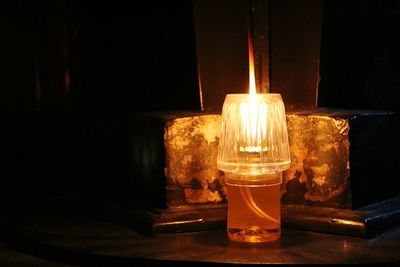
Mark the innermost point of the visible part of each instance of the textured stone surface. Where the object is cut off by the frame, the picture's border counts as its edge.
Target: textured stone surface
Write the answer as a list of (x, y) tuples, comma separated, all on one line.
[(191, 145), (320, 169), (326, 149)]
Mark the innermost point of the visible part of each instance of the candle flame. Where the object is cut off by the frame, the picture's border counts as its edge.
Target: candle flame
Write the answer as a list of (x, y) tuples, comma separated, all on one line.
[(254, 136), (252, 79), (253, 113)]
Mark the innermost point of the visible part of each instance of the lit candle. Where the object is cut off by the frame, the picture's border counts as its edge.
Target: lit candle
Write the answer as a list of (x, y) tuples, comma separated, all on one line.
[(253, 152)]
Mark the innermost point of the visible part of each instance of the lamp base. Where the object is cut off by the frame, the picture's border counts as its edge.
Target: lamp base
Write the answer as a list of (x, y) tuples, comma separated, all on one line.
[(254, 213), (254, 234)]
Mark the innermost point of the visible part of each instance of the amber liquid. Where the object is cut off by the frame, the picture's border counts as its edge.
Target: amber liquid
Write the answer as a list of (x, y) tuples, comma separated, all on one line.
[(254, 213)]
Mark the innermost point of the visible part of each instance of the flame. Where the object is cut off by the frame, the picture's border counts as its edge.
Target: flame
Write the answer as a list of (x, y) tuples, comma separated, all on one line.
[(253, 108), (253, 113), (252, 79)]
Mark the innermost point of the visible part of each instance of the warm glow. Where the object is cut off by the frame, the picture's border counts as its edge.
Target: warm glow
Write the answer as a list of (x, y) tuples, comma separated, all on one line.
[(252, 79), (254, 136), (253, 112), (253, 152)]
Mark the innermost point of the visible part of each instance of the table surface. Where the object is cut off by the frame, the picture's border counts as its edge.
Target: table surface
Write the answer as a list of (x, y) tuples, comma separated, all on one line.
[(83, 240)]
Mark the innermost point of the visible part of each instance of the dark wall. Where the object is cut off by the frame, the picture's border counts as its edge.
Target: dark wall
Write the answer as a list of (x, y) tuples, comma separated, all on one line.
[(360, 55), (72, 73), (111, 57), (135, 56)]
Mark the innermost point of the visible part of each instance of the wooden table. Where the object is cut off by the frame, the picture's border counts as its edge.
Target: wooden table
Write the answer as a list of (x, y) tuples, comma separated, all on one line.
[(78, 240)]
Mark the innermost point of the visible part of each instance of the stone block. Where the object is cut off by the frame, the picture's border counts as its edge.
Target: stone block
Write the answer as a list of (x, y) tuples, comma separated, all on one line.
[(340, 158)]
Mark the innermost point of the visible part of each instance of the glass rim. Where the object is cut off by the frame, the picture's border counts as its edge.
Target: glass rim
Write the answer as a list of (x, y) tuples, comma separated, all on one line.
[(273, 97), (247, 94)]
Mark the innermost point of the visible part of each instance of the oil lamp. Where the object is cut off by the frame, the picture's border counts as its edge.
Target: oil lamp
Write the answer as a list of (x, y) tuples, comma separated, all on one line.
[(253, 152)]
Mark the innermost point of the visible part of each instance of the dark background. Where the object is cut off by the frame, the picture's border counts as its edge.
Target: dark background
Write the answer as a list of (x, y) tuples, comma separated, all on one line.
[(109, 58), (360, 55), (72, 73)]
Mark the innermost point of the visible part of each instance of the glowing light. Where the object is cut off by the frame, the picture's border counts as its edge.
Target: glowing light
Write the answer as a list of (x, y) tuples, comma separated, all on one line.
[(253, 112), (252, 79), (254, 138), (253, 152)]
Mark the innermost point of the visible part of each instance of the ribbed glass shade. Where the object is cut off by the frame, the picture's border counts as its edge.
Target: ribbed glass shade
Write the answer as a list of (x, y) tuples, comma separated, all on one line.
[(254, 139)]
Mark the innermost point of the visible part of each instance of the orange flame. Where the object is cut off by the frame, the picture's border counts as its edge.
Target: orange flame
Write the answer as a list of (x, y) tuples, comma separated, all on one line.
[(252, 123), (252, 79)]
